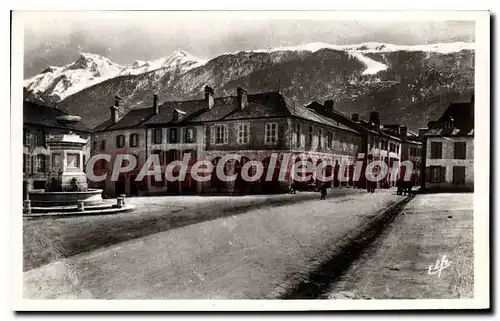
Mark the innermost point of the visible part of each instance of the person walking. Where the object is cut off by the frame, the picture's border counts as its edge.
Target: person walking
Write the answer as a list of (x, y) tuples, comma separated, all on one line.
[(323, 192)]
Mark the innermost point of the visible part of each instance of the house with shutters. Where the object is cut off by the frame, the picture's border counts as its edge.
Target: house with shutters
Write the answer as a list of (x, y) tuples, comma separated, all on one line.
[(256, 126), (448, 147), (121, 133), (39, 123), (410, 149), (253, 126), (377, 142)]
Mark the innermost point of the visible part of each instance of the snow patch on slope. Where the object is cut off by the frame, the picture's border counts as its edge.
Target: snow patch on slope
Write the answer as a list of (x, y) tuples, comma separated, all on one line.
[(373, 66), (376, 47)]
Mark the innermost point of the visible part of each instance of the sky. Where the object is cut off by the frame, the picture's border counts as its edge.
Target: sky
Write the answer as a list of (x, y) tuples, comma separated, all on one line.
[(57, 38)]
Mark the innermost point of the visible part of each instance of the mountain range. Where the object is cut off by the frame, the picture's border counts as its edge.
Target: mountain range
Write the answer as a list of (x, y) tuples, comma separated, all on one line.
[(409, 85)]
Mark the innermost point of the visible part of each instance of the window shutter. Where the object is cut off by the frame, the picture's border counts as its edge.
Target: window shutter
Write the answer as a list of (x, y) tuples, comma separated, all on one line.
[(443, 174), (27, 168), (428, 174), (212, 134), (29, 139), (46, 162), (226, 134)]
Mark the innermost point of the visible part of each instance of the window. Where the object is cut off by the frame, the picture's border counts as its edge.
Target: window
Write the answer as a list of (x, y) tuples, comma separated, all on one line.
[(160, 155), (437, 174), (219, 134), (134, 140), (157, 136), (190, 135), (271, 133), (39, 166), (330, 139), (25, 136), (243, 133), (320, 138), (26, 163), (459, 150), (95, 145), (103, 145), (173, 137), (40, 137), (120, 141), (310, 135), (458, 175), (296, 135), (436, 150)]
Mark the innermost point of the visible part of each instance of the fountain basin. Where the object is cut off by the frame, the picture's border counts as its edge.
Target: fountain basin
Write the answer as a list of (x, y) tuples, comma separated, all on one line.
[(40, 198)]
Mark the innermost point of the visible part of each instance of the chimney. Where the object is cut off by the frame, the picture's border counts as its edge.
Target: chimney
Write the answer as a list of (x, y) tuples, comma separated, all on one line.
[(115, 110), (328, 106), (421, 131), (156, 108), (209, 96), (374, 118), (403, 132), (242, 98), (355, 117)]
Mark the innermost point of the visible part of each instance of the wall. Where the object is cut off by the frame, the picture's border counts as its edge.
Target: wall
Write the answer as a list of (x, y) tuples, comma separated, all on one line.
[(448, 162), (126, 180), (197, 147)]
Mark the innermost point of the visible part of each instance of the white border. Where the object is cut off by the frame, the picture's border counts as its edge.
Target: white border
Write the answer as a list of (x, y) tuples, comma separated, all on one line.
[(481, 197)]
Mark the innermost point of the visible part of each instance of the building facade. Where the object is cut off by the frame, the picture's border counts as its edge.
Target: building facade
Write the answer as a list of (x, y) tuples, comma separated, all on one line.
[(378, 143), (121, 134), (449, 150), (253, 126)]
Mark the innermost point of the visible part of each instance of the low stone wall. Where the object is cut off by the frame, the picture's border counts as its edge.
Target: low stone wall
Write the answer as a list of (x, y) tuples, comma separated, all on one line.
[(42, 198)]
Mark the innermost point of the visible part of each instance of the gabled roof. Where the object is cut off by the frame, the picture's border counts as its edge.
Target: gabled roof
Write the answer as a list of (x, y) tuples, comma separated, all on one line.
[(41, 115), (462, 115), (342, 119), (261, 105), (134, 118), (190, 108)]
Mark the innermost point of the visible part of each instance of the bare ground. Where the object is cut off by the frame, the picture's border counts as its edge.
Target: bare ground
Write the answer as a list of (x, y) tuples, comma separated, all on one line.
[(396, 265), (260, 254)]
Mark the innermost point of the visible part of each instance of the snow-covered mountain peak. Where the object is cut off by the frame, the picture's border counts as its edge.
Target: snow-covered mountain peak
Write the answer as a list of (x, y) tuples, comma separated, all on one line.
[(56, 83), (179, 57)]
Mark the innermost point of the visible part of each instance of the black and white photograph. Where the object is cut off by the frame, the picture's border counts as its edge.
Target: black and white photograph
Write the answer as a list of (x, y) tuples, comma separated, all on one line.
[(312, 160)]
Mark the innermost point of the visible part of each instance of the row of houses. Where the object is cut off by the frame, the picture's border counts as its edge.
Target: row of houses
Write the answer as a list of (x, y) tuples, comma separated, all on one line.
[(253, 126)]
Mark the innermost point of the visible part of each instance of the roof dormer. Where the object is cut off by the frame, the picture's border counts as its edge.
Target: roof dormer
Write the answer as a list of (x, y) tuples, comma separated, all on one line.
[(178, 114)]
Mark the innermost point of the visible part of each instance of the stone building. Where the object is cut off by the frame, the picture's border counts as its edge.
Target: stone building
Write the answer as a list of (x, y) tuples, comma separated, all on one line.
[(411, 150), (377, 142), (253, 126), (40, 123), (121, 134), (448, 146)]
